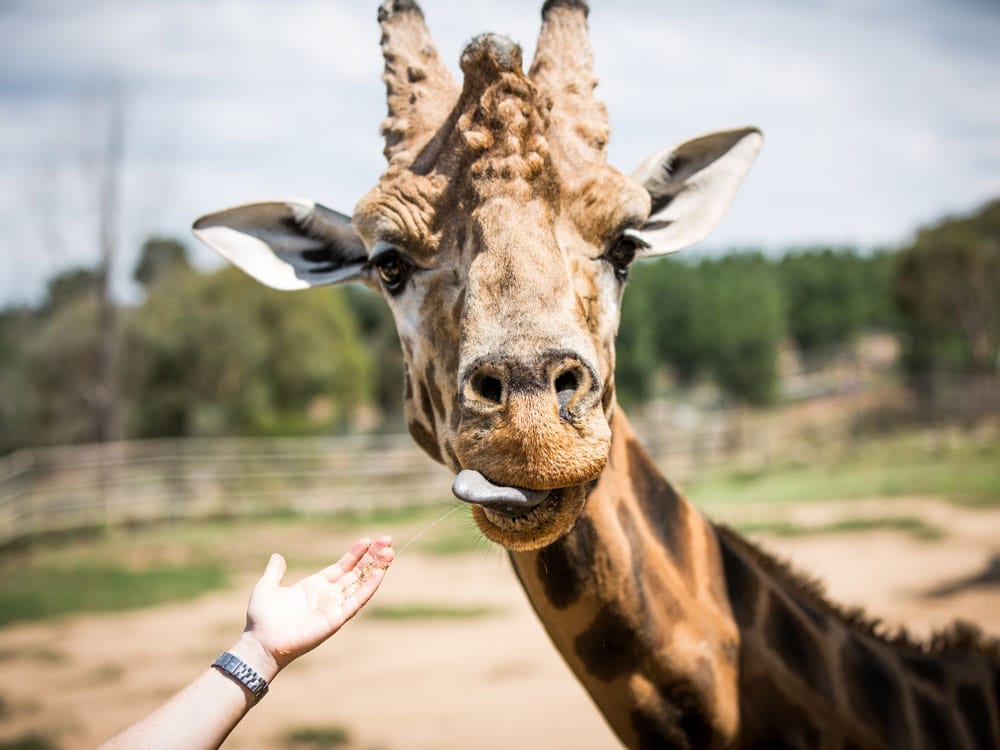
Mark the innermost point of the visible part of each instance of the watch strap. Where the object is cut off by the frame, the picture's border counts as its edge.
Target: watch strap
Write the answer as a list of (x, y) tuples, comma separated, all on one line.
[(243, 673)]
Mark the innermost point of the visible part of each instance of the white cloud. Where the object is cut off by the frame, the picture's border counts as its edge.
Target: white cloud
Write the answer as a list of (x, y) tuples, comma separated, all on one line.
[(879, 114)]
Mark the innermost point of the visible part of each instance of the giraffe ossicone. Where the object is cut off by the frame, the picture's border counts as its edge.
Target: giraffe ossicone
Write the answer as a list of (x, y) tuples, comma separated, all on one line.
[(501, 240)]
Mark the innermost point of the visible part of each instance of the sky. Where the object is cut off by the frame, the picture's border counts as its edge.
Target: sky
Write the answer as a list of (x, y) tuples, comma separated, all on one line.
[(880, 116)]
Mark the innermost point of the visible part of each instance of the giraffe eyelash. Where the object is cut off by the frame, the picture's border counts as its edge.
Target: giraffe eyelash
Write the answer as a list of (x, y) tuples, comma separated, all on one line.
[(636, 236)]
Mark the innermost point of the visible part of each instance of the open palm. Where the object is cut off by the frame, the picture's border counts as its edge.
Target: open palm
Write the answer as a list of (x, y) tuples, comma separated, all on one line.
[(288, 621)]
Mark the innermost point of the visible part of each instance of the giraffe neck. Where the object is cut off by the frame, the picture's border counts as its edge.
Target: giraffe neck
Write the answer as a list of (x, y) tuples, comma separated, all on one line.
[(686, 636), (633, 598), (813, 676)]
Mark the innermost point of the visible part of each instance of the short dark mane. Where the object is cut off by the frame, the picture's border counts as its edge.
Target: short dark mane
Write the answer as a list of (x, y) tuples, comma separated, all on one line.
[(961, 637)]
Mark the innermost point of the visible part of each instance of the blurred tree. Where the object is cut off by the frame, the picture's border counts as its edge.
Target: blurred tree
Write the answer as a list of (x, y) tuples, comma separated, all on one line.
[(946, 289), (378, 329), (832, 296), (220, 353), (637, 359), (824, 302), (55, 382), (740, 325), (70, 285), (160, 256), (15, 324), (721, 318)]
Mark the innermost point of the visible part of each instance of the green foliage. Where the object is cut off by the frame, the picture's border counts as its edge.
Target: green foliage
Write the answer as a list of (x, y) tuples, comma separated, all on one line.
[(221, 354), (721, 318), (741, 326), (378, 330), (316, 738), (71, 286), (916, 527), (431, 612), (30, 741), (946, 289), (50, 375), (831, 297), (160, 257), (36, 592), (907, 465)]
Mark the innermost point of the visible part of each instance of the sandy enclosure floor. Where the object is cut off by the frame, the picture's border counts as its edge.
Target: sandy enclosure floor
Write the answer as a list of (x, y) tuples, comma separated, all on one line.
[(492, 681)]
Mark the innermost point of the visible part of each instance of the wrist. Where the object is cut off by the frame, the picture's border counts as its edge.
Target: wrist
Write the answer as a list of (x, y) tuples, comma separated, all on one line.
[(251, 651)]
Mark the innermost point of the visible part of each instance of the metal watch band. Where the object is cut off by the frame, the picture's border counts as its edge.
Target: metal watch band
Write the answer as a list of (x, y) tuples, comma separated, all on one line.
[(243, 673)]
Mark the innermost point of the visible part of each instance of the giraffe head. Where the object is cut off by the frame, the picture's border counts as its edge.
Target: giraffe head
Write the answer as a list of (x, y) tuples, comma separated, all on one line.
[(501, 240)]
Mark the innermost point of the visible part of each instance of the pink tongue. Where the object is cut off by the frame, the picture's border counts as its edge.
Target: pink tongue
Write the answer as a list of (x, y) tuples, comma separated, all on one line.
[(473, 487)]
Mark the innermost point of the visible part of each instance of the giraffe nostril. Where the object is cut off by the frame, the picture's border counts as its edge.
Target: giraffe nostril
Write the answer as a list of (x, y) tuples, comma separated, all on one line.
[(488, 387), (566, 385)]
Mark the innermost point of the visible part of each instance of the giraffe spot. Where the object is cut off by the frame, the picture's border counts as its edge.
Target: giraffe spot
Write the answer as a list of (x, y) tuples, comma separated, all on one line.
[(426, 407), (458, 308), (654, 731), (425, 439), (565, 565), (610, 646), (452, 456), (407, 385), (637, 553), (874, 693), (771, 720), (814, 614), (661, 505), (791, 640), (936, 726), (679, 720), (608, 395), (741, 584), (976, 713), (435, 392), (925, 667)]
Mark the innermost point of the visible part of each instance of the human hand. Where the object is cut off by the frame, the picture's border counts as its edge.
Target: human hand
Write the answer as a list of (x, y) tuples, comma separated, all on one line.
[(284, 622)]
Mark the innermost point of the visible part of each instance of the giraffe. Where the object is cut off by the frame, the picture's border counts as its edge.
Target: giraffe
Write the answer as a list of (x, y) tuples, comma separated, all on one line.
[(501, 240)]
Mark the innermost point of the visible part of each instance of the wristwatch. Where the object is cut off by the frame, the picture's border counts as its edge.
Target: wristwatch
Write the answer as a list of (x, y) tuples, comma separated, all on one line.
[(243, 673)]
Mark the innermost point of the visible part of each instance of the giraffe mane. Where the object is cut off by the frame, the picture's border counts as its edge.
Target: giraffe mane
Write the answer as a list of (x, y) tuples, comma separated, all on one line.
[(961, 637)]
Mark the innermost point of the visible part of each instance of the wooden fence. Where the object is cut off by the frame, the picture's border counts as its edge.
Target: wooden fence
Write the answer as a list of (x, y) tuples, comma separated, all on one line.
[(58, 489)]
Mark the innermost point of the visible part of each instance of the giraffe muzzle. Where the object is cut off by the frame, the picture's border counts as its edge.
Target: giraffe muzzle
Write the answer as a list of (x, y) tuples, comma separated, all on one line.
[(472, 487)]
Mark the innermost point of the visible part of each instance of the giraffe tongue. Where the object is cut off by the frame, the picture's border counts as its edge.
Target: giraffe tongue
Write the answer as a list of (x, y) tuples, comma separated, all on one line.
[(473, 487)]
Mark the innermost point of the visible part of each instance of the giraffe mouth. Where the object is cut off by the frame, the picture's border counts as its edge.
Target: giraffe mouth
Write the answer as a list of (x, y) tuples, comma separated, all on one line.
[(512, 502), (517, 518)]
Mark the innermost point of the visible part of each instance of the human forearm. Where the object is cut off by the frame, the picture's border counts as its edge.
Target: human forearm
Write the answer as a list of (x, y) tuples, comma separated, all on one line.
[(181, 721), (282, 624)]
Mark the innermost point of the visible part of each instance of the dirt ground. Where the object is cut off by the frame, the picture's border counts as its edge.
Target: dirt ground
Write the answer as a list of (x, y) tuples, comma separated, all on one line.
[(491, 681)]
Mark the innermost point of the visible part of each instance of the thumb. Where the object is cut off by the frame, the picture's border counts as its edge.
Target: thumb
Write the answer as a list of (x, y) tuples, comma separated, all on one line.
[(275, 570)]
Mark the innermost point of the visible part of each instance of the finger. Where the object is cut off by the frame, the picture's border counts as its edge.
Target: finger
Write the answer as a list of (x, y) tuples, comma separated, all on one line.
[(275, 570), (362, 590), (348, 561), (382, 551)]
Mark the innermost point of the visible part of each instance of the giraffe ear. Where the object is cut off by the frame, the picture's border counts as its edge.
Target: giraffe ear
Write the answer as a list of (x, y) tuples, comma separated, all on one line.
[(292, 244), (691, 186)]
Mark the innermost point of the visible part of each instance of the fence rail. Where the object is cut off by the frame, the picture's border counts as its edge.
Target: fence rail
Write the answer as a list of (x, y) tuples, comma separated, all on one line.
[(64, 488)]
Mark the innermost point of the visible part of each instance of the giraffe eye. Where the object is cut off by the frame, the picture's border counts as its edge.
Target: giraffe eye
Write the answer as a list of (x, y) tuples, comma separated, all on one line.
[(393, 269), (623, 250)]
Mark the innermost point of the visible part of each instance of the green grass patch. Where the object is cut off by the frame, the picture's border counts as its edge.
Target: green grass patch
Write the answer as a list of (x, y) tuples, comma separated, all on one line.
[(316, 738), (454, 542), (39, 591), (907, 524), (431, 612), (32, 741), (384, 518), (957, 471)]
